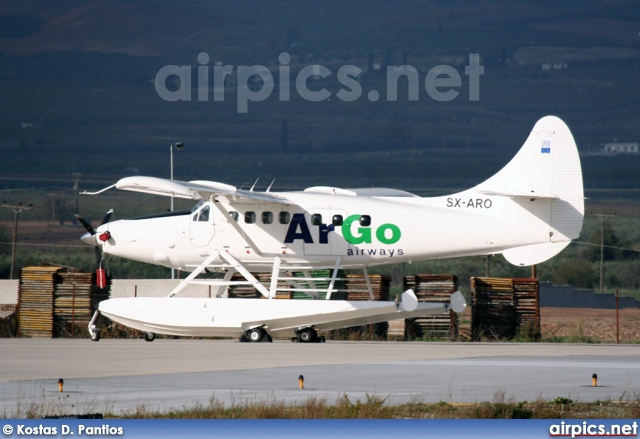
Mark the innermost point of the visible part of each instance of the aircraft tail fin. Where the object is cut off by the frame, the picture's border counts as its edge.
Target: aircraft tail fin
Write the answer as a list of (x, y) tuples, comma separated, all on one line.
[(546, 170)]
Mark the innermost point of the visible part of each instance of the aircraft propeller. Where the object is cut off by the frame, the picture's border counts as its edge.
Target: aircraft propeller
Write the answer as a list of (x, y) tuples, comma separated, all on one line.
[(89, 236)]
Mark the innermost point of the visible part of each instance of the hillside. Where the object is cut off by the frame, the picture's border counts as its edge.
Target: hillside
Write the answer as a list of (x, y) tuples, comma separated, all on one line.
[(77, 81)]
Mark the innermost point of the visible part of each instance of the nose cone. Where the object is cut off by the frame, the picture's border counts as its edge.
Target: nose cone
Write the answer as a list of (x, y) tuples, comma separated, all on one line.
[(90, 239)]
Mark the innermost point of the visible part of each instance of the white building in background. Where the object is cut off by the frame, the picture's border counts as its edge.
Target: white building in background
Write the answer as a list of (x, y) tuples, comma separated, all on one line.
[(555, 66), (615, 148)]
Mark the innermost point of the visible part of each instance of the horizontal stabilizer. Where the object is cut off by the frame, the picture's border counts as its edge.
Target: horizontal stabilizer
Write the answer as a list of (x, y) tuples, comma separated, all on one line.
[(534, 254), (514, 194)]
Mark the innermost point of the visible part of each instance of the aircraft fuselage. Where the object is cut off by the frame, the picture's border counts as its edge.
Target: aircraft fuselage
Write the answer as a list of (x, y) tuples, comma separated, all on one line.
[(317, 228)]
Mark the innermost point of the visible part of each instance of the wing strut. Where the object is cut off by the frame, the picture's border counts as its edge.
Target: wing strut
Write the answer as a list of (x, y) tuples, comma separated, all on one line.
[(333, 277), (247, 275), (273, 287), (232, 265), (199, 269), (365, 271), (306, 284), (223, 290), (226, 215)]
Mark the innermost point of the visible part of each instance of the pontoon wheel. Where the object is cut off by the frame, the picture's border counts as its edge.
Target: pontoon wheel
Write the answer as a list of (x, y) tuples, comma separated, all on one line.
[(308, 335), (256, 334)]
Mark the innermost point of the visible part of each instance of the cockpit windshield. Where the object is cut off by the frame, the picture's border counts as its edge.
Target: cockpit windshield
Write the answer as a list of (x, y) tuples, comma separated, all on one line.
[(197, 206)]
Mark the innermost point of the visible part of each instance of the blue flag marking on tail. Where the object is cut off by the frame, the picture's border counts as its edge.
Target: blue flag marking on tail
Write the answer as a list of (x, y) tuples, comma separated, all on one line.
[(546, 147)]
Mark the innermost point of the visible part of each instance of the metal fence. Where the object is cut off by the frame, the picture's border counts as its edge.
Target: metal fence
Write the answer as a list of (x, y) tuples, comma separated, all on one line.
[(565, 296)]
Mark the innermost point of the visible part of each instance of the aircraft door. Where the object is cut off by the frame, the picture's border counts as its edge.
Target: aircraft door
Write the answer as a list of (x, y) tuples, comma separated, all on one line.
[(325, 225), (201, 226)]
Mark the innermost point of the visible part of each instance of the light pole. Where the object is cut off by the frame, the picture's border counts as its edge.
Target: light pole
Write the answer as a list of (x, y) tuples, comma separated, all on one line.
[(603, 217), (179, 146), (17, 208), (76, 185)]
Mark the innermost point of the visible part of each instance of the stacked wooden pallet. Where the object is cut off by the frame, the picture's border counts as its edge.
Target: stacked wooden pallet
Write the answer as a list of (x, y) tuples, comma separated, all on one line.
[(73, 295), (356, 285), (76, 299), (250, 292), (286, 294), (527, 302), (35, 301), (397, 329), (433, 288), (56, 301), (287, 290), (247, 291), (322, 283), (500, 307), (350, 287), (493, 312)]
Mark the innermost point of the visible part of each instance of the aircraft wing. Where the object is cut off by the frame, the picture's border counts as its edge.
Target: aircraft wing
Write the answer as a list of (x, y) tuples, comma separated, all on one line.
[(192, 190), (204, 190)]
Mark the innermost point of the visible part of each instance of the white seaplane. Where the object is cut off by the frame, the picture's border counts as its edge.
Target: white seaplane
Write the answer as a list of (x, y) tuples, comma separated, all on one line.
[(528, 212)]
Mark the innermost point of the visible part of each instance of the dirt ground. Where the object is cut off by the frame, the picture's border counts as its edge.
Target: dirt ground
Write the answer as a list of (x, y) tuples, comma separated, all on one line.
[(579, 325), (45, 232), (594, 324)]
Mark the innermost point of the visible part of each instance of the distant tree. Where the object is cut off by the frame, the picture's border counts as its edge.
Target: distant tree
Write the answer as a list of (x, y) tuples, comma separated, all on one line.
[(5, 237), (60, 209), (610, 240), (622, 275), (578, 273)]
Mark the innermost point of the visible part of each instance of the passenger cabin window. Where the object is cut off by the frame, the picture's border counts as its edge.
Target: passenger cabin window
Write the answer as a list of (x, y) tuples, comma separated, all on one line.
[(250, 217), (234, 215), (316, 219), (365, 220), (337, 220), (267, 217), (284, 217)]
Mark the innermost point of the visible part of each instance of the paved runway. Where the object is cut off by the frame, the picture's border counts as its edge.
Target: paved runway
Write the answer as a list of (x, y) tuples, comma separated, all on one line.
[(119, 375)]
